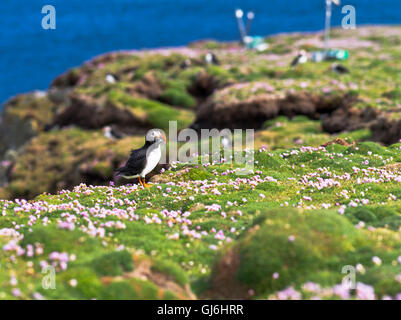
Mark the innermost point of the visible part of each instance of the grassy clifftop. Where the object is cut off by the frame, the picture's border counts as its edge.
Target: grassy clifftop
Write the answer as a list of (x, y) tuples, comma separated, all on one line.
[(284, 231), (309, 212), (133, 91)]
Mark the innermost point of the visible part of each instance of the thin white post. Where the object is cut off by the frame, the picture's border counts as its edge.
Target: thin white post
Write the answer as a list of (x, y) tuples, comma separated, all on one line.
[(327, 26), (239, 14), (250, 16)]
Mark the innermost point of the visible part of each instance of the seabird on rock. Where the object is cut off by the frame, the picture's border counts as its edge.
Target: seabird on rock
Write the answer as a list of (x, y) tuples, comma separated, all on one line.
[(338, 68), (211, 58), (143, 160), (111, 78), (186, 64), (112, 133), (226, 142), (301, 58)]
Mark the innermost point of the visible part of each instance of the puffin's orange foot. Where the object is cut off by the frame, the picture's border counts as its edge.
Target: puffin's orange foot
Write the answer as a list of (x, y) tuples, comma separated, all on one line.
[(146, 185)]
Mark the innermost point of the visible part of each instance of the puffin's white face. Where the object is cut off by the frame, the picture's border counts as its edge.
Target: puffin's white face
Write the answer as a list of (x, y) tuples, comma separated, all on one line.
[(154, 135)]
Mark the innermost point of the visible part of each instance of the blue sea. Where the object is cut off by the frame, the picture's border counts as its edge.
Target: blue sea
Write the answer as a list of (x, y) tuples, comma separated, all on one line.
[(30, 57)]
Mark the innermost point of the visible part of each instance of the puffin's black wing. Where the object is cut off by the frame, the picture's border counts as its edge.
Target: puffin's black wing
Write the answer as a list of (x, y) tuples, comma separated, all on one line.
[(135, 164), (118, 134), (295, 61), (340, 69), (215, 60)]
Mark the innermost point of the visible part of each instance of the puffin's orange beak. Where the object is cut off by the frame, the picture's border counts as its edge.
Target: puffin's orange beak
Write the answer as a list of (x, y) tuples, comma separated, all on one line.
[(164, 138)]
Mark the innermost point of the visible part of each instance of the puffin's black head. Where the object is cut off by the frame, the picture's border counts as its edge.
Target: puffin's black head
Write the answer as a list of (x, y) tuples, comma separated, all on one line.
[(155, 135)]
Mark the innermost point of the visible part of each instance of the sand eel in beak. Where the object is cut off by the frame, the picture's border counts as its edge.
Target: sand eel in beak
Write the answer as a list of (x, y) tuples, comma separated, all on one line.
[(142, 161)]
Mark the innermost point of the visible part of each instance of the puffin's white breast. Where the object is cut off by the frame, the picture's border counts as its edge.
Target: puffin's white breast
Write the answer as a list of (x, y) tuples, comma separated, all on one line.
[(303, 59), (152, 159)]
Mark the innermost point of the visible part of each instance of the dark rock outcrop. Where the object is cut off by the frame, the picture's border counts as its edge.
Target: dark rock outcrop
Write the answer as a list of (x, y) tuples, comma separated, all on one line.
[(386, 131), (254, 111), (203, 85), (22, 118), (86, 112)]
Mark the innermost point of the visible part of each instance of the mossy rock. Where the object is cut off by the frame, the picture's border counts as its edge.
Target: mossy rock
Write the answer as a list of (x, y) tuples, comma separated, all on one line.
[(171, 269), (156, 113), (113, 264), (54, 239), (177, 97), (196, 174), (295, 245), (62, 159), (24, 117)]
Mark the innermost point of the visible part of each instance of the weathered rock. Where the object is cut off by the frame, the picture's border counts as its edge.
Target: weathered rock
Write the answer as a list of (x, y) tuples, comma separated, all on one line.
[(203, 85), (339, 141), (87, 112), (67, 79), (23, 117), (348, 119), (3, 193), (159, 178), (299, 104), (61, 159), (223, 111), (246, 269), (250, 113), (386, 131), (148, 87)]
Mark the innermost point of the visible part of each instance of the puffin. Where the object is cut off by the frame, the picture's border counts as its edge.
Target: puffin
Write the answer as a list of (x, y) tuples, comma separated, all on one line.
[(110, 78), (301, 58), (143, 160), (112, 133), (185, 64), (227, 144), (338, 68), (211, 58)]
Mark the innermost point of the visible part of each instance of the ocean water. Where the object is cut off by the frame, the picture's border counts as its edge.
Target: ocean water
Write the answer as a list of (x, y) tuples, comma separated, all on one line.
[(30, 57)]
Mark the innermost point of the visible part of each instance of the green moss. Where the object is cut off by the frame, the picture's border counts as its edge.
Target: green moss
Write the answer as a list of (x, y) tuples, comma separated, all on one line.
[(171, 269), (122, 290), (62, 159), (178, 97), (375, 216), (393, 94), (318, 237), (158, 114), (104, 169), (168, 295), (365, 147), (175, 224), (113, 264), (87, 286), (197, 174), (66, 241)]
